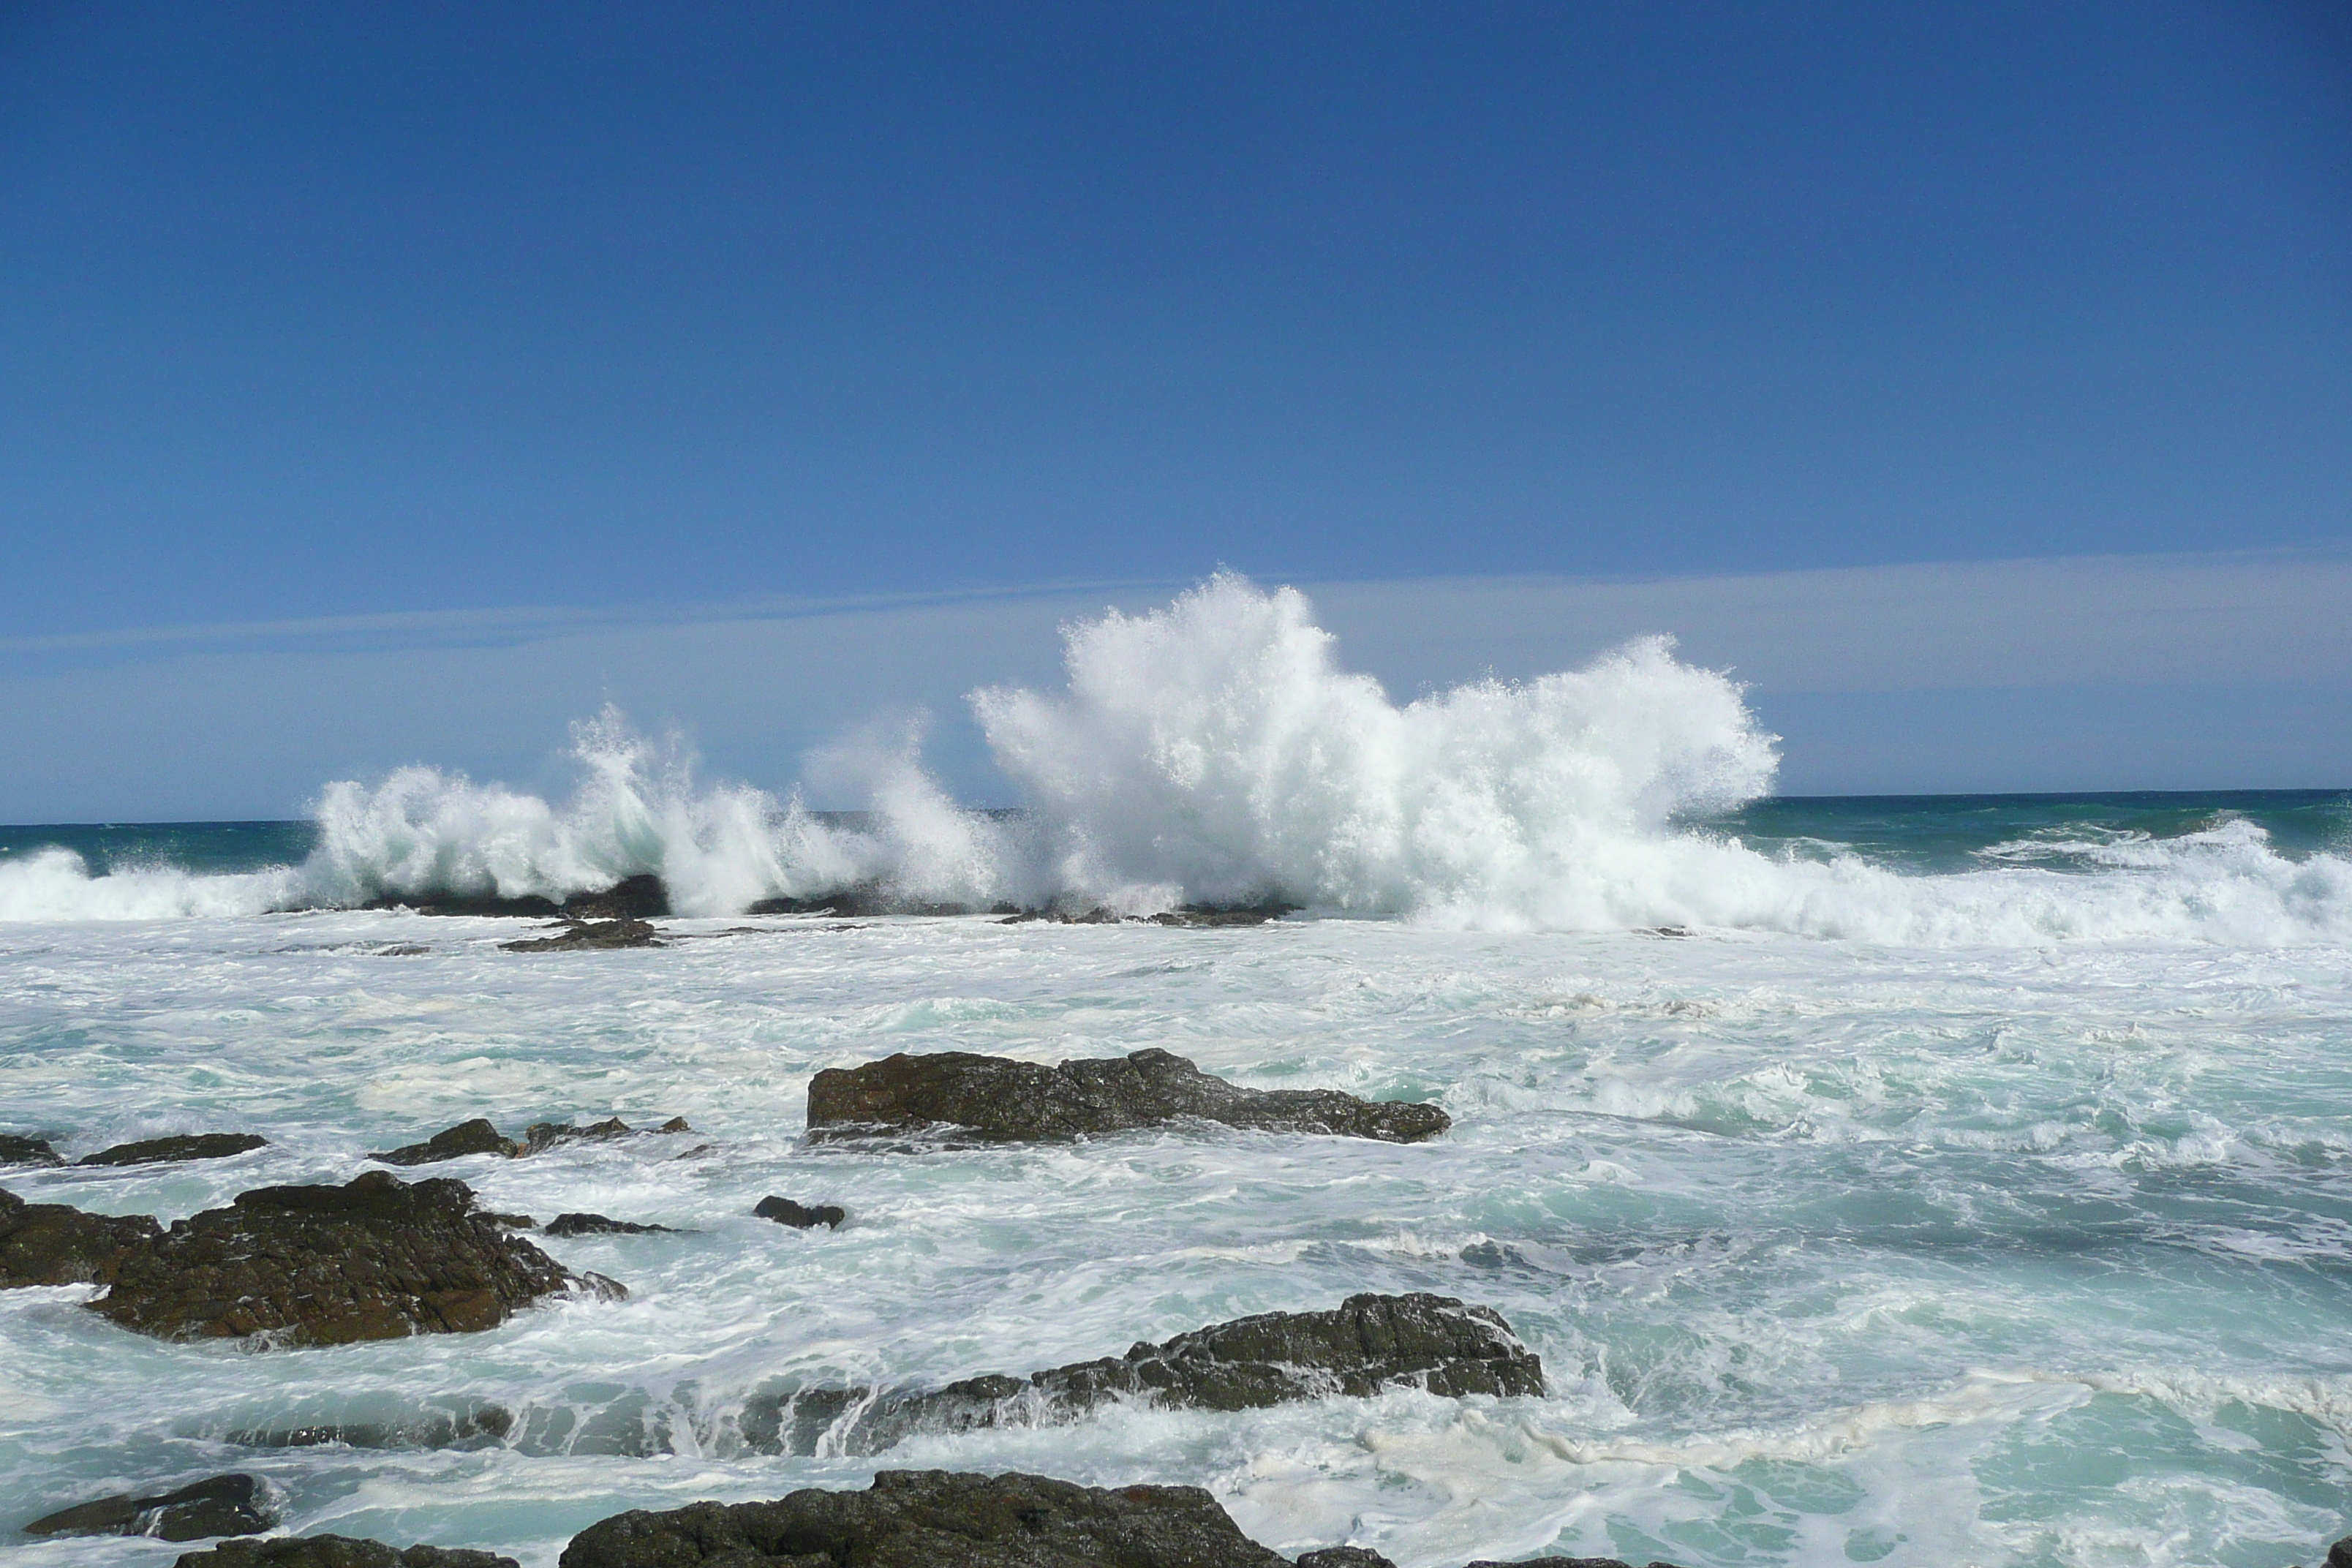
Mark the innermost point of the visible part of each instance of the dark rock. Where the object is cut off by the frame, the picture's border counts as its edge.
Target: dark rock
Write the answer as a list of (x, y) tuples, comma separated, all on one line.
[(1344, 1557), (783, 1211), (1100, 915), (1255, 914), (475, 1137), (641, 897), (52, 1244), (1558, 1563), (545, 1135), (217, 1505), (1368, 1343), (336, 1551), (479, 1426), (2340, 1555), (180, 1146), (374, 1259), (512, 1221), (18, 1149), (934, 1519), (861, 902), (586, 936), (996, 1099), (597, 1224)]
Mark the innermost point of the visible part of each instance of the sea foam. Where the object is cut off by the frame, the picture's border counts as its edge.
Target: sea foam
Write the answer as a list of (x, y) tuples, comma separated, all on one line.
[(1216, 751)]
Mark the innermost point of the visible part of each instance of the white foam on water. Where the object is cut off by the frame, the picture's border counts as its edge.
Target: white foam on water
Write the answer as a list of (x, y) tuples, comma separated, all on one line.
[(1216, 751)]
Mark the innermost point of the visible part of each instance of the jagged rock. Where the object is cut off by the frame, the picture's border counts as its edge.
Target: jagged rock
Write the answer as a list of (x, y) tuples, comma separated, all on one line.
[(783, 1211), (18, 1149), (375, 1258), (336, 1551), (996, 1099), (52, 1244), (1368, 1343), (1343, 1557), (642, 897), (2340, 1555), (597, 1224), (217, 1505), (543, 1136), (180, 1146), (1255, 914), (863, 901), (585, 936), (476, 1427), (934, 1519), (475, 1137)]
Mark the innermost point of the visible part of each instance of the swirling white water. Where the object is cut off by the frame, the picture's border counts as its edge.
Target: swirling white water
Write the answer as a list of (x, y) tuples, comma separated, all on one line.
[(1982, 1215)]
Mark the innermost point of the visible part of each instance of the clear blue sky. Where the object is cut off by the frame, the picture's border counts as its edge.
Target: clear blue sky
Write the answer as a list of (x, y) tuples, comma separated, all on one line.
[(315, 310), (354, 309)]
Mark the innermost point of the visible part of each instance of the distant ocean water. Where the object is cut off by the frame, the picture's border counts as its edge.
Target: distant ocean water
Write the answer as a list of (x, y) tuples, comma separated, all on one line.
[(1914, 1181)]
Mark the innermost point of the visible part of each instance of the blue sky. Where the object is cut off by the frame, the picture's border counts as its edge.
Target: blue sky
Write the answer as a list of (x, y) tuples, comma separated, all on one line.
[(312, 313)]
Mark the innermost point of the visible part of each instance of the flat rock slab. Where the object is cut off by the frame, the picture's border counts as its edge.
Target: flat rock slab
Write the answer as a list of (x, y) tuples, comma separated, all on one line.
[(15, 1149), (783, 1211), (376, 1258), (336, 1551), (997, 1100), (180, 1146), (475, 1137), (1367, 1343), (934, 1519), (217, 1505), (592, 936), (53, 1244)]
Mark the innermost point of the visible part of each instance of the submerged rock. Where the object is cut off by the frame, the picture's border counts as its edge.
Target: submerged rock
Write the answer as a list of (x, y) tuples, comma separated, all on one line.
[(543, 1136), (597, 1224), (931, 1518), (336, 1551), (783, 1211), (18, 1149), (375, 1258), (53, 1244), (479, 1427), (997, 1100), (1255, 914), (1367, 1343), (180, 1146), (475, 1137), (217, 1505), (586, 936)]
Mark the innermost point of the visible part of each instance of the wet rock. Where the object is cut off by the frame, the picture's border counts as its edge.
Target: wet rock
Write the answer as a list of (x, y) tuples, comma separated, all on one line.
[(1344, 1557), (53, 1244), (217, 1505), (589, 936), (1255, 914), (597, 1224), (642, 897), (931, 1518), (996, 1099), (18, 1149), (1369, 1342), (479, 1426), (510, 1221), (375, 1258), (863, 901), (475, 1137), (2340, 1555), (783, 1211), (541, 1136), (180, 1146), (336, 1551), (1558, 1563)]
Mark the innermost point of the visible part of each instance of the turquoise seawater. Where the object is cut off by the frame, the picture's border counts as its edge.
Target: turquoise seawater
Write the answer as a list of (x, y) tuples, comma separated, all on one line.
[(1999, 1214)]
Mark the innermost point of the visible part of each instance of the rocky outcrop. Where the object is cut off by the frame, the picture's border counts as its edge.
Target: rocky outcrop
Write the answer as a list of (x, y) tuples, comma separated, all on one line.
[(783, 1211), (1369, 1342), (217, 1505), (930, 1518), (180, 1146), (996, 1099), (543, 1136), (641, 897), (1181, 915), (591, 936), (52, 1244), (1364, 1557), (18, 1149), (475, 1137), (597, 1224), (336, 1551), (376, 1258)]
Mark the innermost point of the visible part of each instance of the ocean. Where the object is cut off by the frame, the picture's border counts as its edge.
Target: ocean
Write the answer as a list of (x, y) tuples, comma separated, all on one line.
[(1935, 1180)]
